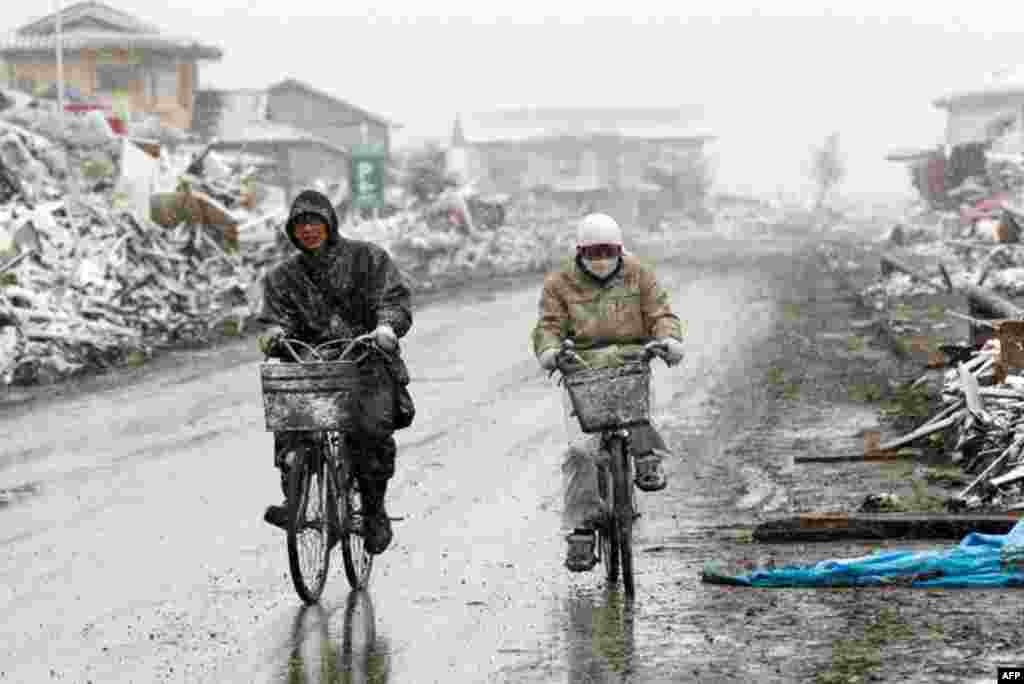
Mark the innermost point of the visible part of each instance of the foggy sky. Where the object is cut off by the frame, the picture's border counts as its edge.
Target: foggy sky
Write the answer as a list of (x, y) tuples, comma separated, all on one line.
[(772, 83)]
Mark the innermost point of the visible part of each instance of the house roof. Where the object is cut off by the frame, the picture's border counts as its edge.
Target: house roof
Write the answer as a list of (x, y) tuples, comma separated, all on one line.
[(293, 83), (907, 154), (531, 123), (94, 25), (89, 12), (1005, 83), (273, 133)]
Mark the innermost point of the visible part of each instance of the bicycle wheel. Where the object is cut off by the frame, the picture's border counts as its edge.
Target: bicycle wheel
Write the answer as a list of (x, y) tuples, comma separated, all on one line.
[(622, 485), (308, 552), (607, 533), (349, 505)]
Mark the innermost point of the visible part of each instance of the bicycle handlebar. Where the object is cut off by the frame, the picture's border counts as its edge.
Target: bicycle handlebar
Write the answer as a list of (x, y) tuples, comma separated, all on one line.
[(369, 339), (567, 354)]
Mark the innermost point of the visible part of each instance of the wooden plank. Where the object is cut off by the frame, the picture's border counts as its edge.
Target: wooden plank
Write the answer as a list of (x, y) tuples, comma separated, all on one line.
[(889, 450), (823, 527), (1011, 476), (873, 456)]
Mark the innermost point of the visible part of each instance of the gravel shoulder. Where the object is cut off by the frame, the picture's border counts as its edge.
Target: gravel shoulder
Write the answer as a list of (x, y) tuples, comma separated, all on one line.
[(804, 393)]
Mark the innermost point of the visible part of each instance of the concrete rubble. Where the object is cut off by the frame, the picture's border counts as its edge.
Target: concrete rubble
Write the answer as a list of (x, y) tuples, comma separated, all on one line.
[(112, 247), (977, 256)]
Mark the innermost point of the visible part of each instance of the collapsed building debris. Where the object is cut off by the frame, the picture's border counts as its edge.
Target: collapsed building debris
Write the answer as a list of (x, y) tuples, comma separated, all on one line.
[(112, 246)]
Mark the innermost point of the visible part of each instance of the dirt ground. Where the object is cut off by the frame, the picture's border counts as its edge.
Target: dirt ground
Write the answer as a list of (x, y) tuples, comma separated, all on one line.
[(813, 401)]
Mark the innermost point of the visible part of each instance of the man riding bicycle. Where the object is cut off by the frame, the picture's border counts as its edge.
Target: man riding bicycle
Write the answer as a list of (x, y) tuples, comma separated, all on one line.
[(611, 305), (340, 288)]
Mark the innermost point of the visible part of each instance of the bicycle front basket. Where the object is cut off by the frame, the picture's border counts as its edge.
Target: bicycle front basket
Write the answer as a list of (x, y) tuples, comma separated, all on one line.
[(309, 396), (608, 398)]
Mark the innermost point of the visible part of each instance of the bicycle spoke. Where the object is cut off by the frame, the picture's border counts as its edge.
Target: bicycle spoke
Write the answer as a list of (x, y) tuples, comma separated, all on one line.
[(358, 562), (313, 539), (307, 536)]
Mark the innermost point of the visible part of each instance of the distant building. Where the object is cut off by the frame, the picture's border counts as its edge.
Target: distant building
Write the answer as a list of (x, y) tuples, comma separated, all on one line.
[(982, 122), (339, 122), (110, 56), (305, 131), (579, 154), (985, 112)]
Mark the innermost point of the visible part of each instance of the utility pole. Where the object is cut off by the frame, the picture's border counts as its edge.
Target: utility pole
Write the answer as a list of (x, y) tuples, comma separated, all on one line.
[(60, 67), (72, 173)]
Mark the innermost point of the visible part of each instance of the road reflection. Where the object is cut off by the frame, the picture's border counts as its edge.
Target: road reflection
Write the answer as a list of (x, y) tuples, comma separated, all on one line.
[(599, 636), (339, 646)]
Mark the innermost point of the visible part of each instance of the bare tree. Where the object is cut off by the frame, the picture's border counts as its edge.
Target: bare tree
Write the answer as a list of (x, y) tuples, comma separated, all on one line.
[(827, 169), (423, 171)]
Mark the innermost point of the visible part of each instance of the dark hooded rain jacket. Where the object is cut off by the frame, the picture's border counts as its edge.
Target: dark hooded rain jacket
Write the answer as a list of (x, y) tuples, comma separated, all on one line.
[(343, 289)]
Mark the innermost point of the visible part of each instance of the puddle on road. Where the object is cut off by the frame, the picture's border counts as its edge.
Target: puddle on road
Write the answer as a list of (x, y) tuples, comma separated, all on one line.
[(340, 644), (600, 636), (24, 455), (14, 495)]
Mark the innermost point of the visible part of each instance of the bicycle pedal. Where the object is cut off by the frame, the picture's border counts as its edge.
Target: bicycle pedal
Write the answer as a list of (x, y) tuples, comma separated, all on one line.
[(396, 519)]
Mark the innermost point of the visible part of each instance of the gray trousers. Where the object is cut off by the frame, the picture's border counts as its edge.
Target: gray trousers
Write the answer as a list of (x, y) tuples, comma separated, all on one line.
[(582, 502)]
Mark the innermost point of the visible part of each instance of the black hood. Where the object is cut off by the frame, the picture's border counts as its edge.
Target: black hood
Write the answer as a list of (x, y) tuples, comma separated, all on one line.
[(313, 202)]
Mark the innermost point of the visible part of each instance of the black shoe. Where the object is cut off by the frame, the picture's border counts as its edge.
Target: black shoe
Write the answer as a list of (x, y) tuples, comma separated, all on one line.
[(376, 532), (580, 556), (276, 516), (650, 473)]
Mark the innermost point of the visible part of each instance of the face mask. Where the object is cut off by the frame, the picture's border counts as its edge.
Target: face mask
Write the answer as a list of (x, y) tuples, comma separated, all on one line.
[(601, 268)]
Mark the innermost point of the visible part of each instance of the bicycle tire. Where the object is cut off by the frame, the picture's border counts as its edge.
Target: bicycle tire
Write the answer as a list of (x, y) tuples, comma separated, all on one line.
[(357, 561), (607, 533), (622, 486), (306, 472)]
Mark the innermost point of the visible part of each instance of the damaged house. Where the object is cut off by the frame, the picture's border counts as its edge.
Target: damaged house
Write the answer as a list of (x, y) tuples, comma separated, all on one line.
[(306, 132), (121, 61), (984, 130)]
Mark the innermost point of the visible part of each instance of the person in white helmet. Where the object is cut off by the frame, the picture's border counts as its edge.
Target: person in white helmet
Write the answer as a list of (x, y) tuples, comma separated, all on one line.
[(610, 304)]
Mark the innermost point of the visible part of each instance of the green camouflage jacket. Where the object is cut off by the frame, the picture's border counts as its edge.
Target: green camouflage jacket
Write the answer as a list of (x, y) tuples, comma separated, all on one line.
[(628, 310)]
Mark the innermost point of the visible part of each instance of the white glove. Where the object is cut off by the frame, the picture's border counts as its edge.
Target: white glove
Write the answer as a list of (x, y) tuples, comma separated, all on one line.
[(386, 337), (674, 350), (548, 358)]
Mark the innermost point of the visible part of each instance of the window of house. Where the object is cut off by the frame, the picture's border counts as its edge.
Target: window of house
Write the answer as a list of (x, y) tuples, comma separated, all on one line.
[(162, 83), (569, 164), (26, 85), (111, 78)]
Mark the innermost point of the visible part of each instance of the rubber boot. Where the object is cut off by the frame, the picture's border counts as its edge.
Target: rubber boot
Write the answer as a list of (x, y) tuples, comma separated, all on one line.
[(278, 515), (376, 524)]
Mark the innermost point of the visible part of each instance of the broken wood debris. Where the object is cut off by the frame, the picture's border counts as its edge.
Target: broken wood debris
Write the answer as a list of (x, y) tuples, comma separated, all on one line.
[(988, 423), (811, 527)]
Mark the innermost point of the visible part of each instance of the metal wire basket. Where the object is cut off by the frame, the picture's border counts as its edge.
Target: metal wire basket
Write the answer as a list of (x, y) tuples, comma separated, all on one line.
[(609, 398), (309, 396)]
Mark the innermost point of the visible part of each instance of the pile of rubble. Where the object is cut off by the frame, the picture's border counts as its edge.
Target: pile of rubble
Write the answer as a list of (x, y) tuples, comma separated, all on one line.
[(94, 278), (113, 246), (983, 409), (87, 282), (89, 289), (975, 234), (432, 254)]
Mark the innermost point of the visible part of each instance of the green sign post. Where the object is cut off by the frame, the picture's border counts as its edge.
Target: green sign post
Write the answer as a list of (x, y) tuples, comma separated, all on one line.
[(366, 176)]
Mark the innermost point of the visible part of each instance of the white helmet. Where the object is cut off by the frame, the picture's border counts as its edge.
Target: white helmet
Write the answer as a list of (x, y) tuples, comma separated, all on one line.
[(598, 229)]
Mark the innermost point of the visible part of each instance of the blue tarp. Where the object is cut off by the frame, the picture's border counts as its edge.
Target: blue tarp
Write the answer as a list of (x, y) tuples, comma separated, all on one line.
[(979, 560)]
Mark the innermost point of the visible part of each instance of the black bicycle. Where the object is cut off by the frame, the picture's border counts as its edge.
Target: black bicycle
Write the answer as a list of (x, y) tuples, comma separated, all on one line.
[(324, 502), (609, 401)]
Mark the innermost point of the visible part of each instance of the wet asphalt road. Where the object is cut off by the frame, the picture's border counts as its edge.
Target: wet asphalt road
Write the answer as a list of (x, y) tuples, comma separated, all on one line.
[(132, 546)]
